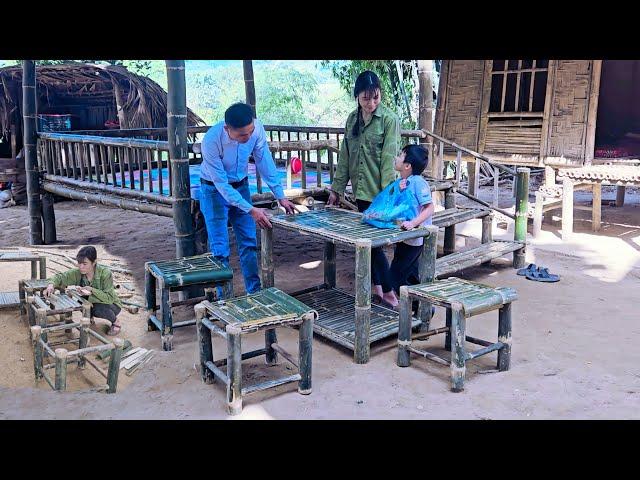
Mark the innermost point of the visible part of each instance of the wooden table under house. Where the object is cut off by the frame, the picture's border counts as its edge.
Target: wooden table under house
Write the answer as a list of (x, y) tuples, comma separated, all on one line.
[(348, 320), (38, 265), (596, 176)]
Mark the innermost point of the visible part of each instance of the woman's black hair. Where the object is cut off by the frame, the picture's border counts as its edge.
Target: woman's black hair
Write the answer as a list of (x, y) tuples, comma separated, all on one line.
[(417, 156), (88, 253), (367, 82)]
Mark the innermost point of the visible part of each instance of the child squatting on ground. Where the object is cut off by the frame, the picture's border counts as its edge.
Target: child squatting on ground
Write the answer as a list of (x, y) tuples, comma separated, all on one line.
[(95, 283), (410, 163)]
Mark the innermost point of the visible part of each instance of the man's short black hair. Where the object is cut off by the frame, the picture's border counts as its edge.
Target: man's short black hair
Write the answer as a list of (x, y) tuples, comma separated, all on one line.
[(88, 253), (417, 156), (238, 115)]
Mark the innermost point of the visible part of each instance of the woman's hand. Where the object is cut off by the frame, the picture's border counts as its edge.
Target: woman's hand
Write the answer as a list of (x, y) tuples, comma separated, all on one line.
[(49, 290), (86, 290), (333, 198), (408, 225)]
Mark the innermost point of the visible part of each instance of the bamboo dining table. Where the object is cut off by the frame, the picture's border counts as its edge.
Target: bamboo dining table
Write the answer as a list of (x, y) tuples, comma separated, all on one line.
[(347, 319)]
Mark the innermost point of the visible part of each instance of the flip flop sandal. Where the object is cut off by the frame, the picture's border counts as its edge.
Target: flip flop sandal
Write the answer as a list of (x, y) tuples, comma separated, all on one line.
[(114, 330), (384, 303), (530, 268), (543, 275), (375, 298)]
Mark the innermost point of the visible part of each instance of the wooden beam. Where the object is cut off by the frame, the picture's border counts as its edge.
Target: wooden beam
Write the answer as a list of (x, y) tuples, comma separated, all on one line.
[(249, 86)]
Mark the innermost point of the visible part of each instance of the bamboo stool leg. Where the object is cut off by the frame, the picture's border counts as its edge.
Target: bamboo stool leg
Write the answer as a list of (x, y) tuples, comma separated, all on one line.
[(363, 302), (150, 296), (234, 370), (30, 310), (427, 274), (82, 343), (61, 369), (43, 267), (404, 329), (114, 365), (36, 332), (22, 296), (458, 368), (205, 347), (504, 336), (305, 344), (270, 337), (34, 268), (167, 324)]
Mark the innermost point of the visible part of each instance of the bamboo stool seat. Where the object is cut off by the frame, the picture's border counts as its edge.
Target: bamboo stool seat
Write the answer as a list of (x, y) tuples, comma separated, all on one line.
[(462, 299), (202, 271), (62, 304), (264, 310)]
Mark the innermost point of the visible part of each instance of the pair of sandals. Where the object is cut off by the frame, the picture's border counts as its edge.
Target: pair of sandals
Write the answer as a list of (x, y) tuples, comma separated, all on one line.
[(538, 274)]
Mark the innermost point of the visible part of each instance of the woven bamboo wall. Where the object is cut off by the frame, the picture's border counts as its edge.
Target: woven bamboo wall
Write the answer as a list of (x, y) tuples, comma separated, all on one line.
[(570, 108), (463, 103)]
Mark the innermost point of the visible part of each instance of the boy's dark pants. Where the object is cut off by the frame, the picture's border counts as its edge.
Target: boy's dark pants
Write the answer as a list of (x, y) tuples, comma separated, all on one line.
[(106, 311), (404, 267), (379, 263)]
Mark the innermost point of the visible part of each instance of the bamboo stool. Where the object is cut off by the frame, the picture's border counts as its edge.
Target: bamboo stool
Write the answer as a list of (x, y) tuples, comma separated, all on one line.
[(27, 288), (462, 299), (182, 274), (265, 310), (63, 304), (38, 265), (62, 357)]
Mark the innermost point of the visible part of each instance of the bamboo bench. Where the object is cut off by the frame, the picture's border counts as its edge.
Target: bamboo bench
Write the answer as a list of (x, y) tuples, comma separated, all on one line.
[(63, 357), (265, 310), (182, 274), (38, 265), (462, 299)]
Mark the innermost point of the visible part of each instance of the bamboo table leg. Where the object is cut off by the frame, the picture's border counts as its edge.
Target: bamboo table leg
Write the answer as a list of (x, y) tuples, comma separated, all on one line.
[(427, 273), (504, 336), (567, 209), (167, 321), (234, 370), (305, 341), (150, 296), (404, 329), (363, 302), (43, 267), (267, 280), (596, 210), (330, 264)]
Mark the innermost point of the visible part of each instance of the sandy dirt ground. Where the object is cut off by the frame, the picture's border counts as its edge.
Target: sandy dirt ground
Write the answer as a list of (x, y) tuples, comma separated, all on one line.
[(574, 354)]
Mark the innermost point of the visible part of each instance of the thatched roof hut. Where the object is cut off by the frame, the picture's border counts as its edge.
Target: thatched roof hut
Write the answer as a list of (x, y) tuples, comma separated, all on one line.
[(91, 94), (542, 112)]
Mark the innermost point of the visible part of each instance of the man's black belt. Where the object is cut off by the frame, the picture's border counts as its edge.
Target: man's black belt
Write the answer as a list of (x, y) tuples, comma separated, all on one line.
[(235, 185)]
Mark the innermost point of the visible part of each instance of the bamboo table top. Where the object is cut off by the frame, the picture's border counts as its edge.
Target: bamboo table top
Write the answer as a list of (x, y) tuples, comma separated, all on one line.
[(344, 226), (57, 302), (33, 284), (190, 270), (259, 310), (18, 257), (473, 298)]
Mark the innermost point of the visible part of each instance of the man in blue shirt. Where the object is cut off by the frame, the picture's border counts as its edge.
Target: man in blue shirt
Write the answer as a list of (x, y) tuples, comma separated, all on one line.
[(224, 191)]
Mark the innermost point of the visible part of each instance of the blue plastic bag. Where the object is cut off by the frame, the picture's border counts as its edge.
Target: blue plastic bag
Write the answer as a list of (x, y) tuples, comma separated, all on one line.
[(391, 207)]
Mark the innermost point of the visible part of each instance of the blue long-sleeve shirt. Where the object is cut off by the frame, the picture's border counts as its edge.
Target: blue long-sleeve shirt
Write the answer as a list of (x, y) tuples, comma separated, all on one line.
[(225, 161)]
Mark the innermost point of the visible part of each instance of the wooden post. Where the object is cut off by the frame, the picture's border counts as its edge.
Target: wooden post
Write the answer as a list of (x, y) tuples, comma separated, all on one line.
[(330, 264), (404, 329), (179, 158), (522, 207), (567, 209), (363, 301), (114, 365), (471, 174), (457, 350), (249, 86), (449, 232), (234, 370), (596, 209), (305, 340), (37, 350), (425, 111), (43, 267), (85, 323), (61, 369), (549, 176), (427, 273), (29, 116), (504, 336), (487, 233), (205, 345), (117, 93), (538, 214), (620, 190), (49, 219)]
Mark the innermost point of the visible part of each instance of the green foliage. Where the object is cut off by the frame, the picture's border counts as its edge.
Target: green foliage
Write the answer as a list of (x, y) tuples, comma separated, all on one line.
[(398, 81)]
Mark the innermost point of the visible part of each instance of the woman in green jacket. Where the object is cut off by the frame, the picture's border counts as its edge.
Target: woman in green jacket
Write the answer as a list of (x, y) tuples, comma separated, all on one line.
[(367, 157), (95, 283)]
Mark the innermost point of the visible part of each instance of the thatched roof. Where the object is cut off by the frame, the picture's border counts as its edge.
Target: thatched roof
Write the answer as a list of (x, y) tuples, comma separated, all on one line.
[(145, 102)]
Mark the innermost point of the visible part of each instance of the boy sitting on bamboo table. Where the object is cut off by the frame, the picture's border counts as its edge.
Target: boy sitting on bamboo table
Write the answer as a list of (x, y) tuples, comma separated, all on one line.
[(95, 283), (410, 163)]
